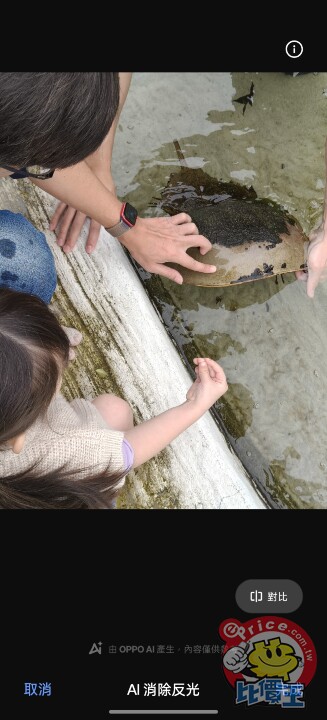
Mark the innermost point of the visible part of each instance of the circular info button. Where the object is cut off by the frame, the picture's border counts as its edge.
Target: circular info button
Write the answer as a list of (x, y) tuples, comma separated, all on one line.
[(294, 49)]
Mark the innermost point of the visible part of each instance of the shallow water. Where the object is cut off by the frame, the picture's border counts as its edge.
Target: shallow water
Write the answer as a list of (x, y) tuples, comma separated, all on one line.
[(269, 337)]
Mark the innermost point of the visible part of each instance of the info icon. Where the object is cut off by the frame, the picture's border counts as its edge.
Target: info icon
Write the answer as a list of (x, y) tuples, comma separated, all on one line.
[(294, 49)]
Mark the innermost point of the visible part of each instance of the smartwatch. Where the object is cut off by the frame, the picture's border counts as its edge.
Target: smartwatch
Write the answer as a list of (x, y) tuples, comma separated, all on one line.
[(128, 216)]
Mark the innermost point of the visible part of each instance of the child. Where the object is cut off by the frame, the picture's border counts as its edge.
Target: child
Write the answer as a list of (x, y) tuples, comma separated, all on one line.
[(60, 455), (55, 454)]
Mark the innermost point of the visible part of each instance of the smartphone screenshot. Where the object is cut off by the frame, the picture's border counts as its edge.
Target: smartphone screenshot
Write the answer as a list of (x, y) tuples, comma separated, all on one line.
[(163, 299)]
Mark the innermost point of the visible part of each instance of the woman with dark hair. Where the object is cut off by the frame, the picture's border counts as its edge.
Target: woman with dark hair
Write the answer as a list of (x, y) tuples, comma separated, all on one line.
[(58, 130)]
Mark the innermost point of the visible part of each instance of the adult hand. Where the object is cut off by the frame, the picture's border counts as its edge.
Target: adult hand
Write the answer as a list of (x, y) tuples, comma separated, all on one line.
[(210, 383), (69, 222), (155, 241), (316, 261)]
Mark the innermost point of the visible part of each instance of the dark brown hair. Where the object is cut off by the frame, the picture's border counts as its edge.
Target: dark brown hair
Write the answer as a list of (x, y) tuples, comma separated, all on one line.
[(33, 352), (55, 119)]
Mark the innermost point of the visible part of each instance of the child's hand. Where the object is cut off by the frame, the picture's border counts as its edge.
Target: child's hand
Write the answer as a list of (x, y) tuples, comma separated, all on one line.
[(74, 337), (210, 383)]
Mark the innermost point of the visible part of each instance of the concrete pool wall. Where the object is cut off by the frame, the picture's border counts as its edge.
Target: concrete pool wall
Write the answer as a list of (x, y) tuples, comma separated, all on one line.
[(126, 350)]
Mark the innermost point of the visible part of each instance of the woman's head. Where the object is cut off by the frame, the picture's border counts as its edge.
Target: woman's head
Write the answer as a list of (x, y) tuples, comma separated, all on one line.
[(33, 354), (55, 119)]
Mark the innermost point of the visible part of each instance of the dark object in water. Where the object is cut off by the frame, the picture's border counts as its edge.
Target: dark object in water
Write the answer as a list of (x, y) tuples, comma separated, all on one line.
[(246, 99), (234, 219)]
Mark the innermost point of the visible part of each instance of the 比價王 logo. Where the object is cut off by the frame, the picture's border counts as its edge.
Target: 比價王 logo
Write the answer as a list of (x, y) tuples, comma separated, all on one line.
[(268, 660)]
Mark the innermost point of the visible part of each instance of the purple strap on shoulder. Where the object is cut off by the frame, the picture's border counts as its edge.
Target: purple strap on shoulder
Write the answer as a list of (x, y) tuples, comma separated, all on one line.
[(128, 454)]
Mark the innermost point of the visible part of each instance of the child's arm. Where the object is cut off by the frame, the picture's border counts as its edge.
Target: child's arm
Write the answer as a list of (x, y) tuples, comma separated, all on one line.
[(148, 438)]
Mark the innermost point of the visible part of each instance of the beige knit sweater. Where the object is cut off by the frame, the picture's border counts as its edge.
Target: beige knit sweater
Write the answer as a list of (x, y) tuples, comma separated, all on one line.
[(72, 434)]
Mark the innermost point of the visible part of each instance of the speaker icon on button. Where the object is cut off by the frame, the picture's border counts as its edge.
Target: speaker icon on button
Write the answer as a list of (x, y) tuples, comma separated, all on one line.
[(294, 49)]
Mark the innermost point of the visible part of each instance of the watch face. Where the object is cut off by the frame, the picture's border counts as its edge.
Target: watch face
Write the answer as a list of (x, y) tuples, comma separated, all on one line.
[(129, 214)]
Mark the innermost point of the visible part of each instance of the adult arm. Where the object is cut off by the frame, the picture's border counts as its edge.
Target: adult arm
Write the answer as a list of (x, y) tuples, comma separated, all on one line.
[(100, 160), (66, 220), (152, 241)]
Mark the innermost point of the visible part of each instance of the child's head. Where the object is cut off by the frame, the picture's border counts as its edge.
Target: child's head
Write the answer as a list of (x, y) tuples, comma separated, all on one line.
[(55, 119), (33, 354), (34, 350)]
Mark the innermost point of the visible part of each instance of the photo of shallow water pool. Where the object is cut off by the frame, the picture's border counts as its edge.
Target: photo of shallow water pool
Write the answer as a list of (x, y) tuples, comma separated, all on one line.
[(269, 337)]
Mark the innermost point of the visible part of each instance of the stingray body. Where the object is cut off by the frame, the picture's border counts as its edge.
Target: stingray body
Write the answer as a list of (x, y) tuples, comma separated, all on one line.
[(252, 238)]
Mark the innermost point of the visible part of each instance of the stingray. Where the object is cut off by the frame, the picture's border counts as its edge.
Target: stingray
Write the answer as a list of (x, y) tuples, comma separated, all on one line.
[(253, 238)]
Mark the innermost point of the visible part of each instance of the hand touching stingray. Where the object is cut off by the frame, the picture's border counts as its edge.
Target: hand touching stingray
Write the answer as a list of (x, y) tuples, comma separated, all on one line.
[(316, 261)]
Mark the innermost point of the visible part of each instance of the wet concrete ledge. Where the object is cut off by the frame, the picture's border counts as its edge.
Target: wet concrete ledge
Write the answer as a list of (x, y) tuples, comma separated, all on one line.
[(126, 350)]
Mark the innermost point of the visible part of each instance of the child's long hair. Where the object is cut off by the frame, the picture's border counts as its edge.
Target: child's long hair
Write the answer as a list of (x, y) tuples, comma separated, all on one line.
[(33, 354)]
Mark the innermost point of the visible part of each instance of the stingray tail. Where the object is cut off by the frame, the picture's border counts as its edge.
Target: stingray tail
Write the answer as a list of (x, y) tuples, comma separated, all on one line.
[(180, 155)]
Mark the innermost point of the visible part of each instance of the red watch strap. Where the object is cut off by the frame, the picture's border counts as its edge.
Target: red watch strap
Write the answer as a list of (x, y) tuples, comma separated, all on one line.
[(123, 218)]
